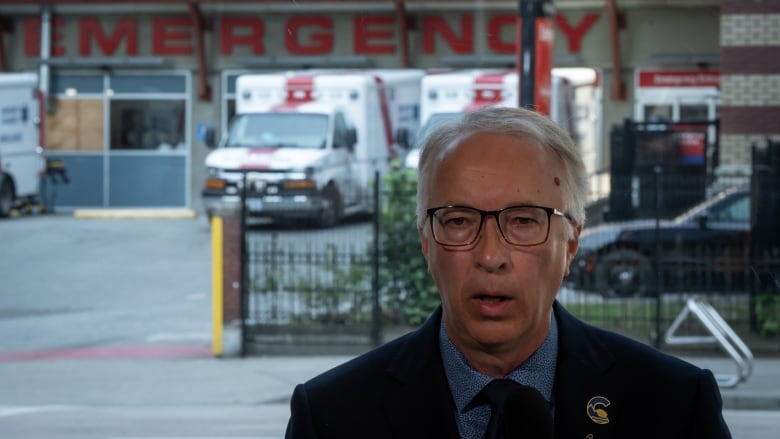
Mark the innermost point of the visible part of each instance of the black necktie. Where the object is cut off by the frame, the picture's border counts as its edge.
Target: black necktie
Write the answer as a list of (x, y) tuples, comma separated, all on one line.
[(516, 411)]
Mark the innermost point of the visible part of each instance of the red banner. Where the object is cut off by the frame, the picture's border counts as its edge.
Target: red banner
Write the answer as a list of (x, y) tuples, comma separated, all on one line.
[(544, 63)]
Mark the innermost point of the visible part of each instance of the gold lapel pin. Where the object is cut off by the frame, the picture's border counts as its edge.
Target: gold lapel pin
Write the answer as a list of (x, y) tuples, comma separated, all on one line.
[(596, 410)]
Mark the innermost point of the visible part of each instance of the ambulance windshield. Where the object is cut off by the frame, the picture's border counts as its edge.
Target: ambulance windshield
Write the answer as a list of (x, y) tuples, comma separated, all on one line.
[(434, 121), (278, 130)]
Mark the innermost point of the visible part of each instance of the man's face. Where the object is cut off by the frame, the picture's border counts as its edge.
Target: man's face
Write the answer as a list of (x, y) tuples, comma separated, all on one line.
[(497, 297)]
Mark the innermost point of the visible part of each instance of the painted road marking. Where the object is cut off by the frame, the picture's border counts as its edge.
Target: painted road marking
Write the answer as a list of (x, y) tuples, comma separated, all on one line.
[(149, 351), (179, 336), (8, 411)]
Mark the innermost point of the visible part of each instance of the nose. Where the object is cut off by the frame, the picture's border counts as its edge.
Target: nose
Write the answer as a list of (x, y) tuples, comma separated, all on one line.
[(491, 251)]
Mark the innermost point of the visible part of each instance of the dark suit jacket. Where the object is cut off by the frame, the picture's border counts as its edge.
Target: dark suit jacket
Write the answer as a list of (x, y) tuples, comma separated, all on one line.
[(399, 390)]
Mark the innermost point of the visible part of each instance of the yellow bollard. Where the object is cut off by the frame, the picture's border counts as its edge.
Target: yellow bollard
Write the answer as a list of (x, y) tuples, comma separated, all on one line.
[(216, 285)]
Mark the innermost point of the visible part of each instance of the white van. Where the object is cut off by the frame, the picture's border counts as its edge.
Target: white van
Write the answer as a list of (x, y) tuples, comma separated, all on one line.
[(21, 156), (310, 142)]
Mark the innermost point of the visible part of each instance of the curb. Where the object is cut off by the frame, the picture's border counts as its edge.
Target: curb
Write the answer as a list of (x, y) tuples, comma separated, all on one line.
[(746, 402), (110, 214)]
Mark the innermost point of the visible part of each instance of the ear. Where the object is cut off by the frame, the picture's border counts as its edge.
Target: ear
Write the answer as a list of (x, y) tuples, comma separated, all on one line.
[(572, 245), (424, 246)]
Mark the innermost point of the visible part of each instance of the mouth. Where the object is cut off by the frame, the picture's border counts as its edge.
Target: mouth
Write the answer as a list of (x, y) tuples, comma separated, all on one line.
[(492, 298), (492, 305)]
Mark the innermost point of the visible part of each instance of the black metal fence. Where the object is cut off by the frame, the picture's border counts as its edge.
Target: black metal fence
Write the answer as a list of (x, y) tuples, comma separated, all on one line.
[(334, 290)]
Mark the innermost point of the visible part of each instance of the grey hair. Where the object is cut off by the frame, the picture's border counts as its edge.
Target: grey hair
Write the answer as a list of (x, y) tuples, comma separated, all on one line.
[(517, 122)]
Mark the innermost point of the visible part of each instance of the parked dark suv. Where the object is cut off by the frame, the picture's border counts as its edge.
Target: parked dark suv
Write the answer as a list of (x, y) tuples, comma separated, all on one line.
[(705, 249)]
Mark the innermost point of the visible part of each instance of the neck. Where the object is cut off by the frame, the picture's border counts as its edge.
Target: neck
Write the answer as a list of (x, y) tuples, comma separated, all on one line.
[(498, 361)]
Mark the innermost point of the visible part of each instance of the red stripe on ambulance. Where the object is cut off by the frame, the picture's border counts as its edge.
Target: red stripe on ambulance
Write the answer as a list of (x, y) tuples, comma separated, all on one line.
[(487, 90), (385, 110), (299, 90)]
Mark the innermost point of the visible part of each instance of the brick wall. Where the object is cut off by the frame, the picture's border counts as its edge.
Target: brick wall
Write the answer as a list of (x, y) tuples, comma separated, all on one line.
[(231, 269), (750, 78)]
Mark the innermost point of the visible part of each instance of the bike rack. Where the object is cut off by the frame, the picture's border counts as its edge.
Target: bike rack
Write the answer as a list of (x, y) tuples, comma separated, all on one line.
[(721, 333)]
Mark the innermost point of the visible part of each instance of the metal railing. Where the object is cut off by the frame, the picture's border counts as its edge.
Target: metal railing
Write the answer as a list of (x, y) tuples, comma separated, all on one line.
[(719, 332)]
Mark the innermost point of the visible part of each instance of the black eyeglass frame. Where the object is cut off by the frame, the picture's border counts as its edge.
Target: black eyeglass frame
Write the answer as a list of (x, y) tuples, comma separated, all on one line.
[(495, 213)]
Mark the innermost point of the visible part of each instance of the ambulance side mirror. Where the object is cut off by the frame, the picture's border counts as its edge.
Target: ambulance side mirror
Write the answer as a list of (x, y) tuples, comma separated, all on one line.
[(207, 134), (402, 138), (351, 139)]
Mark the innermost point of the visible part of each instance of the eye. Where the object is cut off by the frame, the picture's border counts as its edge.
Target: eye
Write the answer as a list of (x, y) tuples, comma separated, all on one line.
[(458, 218), (522, 218), (519, 221)]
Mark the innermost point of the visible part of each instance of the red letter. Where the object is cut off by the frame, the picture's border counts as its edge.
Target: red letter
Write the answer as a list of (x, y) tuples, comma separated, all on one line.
[(363, 34), (575, 34), (126, 28), (162, 35), (252, 36), (433, 24), (495, 27), (32, 37), (322, 41)]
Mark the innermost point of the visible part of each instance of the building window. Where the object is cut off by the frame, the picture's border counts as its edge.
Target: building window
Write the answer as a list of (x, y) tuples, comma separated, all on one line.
[(147, 124), (74, 121), (75, 125)]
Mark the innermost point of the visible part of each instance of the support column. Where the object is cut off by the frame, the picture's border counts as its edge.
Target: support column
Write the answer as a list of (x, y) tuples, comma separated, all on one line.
[(750, 94), (226, 285)]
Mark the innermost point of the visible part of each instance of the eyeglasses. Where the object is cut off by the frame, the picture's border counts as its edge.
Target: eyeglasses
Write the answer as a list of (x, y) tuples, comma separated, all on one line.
[(524, 225)]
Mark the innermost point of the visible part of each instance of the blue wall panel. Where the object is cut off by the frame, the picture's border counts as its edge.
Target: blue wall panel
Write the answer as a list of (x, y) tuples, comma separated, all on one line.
[(85, 186), (147, 181)]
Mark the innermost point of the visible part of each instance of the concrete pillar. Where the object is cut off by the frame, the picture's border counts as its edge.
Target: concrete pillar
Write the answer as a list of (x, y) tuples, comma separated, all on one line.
[(231, 286), (750, 83)]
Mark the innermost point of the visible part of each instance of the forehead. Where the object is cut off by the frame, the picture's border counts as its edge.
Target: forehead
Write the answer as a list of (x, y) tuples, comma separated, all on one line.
[(492, 170)]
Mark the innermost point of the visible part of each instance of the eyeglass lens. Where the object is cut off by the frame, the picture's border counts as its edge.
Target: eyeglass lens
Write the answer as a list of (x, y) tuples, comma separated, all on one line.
[(524, 225)]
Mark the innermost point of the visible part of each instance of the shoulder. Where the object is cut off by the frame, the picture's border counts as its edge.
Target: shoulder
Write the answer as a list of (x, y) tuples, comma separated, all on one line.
[(607, 349), (636, 380), (348, 397), (397, 361), (367, 367), (639, 356)]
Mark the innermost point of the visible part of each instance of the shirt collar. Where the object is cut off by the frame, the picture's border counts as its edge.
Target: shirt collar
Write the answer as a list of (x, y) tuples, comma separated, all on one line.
[(537, 371)]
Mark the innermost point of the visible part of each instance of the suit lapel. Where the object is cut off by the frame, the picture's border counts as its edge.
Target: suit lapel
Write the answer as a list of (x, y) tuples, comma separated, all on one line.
[(421, 404), (584, 397)]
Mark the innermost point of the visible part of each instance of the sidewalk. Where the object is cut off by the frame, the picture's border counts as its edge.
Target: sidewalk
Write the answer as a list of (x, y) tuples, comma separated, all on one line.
[(761, 390), (253, 381)]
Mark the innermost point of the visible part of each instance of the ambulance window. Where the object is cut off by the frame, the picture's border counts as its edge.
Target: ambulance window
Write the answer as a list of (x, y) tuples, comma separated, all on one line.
[(693, 113), (340, 131)]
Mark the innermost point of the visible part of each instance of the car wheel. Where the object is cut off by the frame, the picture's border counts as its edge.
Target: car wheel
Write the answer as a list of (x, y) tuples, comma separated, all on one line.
[(331, 207), (6, 198), (623, 273)]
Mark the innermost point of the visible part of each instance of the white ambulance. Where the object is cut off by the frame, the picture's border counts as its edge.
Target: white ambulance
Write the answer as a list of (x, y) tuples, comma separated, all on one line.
[(21, 156), (449, 94), (310, 142)]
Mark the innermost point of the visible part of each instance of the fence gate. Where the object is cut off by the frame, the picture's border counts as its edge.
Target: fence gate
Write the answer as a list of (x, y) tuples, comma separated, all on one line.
[(681, 154)]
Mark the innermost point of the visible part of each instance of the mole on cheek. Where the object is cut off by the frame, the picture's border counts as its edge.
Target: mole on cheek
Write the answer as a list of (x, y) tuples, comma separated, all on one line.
[(557, 181)]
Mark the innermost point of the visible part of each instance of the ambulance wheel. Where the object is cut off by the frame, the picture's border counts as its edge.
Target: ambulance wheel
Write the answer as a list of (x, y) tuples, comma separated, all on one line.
[(6, 198), (331, 208)]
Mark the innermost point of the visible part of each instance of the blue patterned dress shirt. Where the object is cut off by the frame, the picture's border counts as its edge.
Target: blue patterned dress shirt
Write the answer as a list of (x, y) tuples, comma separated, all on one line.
[(465, 382)]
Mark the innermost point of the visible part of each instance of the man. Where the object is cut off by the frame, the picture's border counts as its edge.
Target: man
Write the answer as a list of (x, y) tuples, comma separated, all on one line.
[(501, 203)]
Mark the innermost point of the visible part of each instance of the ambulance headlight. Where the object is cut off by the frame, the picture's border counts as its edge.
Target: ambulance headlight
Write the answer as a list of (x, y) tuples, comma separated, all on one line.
[(212, 171)]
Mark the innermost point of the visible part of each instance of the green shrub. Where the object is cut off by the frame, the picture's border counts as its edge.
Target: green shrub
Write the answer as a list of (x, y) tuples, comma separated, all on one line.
[(409, 294), (768, 314)]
